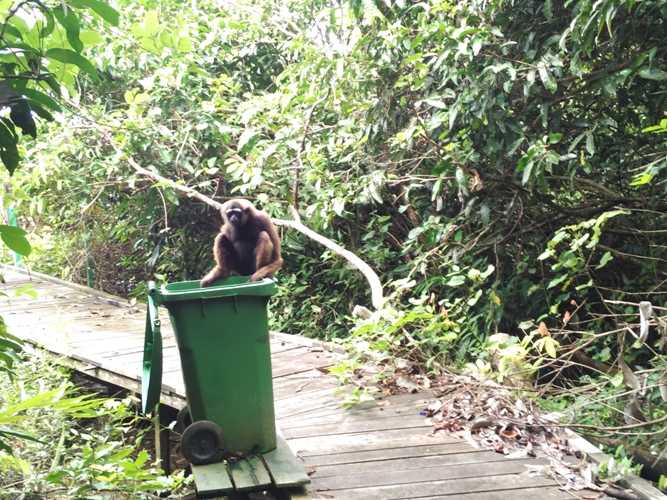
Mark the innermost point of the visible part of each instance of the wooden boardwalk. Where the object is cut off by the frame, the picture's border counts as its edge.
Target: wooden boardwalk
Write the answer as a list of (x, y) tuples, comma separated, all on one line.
[(383, 450)]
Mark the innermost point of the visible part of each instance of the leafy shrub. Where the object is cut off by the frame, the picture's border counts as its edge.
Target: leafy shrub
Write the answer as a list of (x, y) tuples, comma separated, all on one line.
[(73, 445)]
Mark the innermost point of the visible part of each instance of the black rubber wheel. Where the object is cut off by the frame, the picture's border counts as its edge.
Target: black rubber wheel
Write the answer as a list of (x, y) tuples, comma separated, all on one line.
[(201, 443)]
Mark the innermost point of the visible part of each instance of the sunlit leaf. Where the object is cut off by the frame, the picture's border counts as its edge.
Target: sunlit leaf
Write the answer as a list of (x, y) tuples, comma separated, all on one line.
[(70, 22), (14, 238), (102, 9), (70, 57)]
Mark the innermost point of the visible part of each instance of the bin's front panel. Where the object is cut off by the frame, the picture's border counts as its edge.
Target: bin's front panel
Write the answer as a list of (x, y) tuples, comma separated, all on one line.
[(226, 361)]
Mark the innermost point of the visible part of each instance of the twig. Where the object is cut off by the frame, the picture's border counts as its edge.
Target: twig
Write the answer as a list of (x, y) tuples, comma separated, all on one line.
[(624, 303), (164, 207), (617, 427), (92, 202), (377, 298)]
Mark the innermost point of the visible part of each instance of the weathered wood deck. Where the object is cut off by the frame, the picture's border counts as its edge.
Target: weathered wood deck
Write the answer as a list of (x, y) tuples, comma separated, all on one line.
[(384, 450)]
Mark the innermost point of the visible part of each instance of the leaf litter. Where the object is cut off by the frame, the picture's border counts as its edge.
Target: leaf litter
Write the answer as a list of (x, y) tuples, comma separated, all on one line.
[(491, 416)]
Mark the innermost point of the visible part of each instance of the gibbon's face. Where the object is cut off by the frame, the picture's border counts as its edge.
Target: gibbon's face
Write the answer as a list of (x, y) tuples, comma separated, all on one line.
[(236, 214)]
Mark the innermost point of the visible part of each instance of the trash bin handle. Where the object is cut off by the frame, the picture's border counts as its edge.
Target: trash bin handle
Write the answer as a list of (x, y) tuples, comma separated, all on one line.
[(151, 377)]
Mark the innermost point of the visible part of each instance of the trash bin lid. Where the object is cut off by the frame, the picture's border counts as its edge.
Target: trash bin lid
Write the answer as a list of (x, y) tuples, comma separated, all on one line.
[(229, 287)]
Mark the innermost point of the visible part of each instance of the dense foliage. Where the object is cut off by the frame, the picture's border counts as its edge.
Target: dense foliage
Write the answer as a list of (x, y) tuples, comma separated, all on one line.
[(80, 446), (500, 164)]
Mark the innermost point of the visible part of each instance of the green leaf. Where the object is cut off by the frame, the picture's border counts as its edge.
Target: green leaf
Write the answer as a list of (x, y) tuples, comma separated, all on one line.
[(40, 111), (555, 137), (590, 144), (150, 26), (642, 179), (53, 84), (436, 103), (70, 22), (550, 346), (653, 74), (548, 9), (102, 9), (527, 171), (606, 258), (21, 115), (184, 44), (50, 25), (246, 138), (27, 290), (41, 98), (9, 345), (617, 379), (21, 47), (70, 57), (22, 435), (453, 113), (14, 238), (11, 30), (90, 38), (8, 150), (456, 281), (546, 254), (547, 78), (556, 281)]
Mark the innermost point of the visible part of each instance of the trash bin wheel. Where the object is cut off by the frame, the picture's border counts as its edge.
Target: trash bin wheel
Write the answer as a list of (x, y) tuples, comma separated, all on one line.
[(201, 443)]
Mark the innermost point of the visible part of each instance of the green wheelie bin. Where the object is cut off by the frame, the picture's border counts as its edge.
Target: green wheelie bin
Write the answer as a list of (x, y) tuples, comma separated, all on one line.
[(223, 340)]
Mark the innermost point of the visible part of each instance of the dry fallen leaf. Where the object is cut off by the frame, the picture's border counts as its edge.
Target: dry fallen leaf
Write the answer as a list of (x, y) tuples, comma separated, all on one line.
[(566, 318), (544, 331)]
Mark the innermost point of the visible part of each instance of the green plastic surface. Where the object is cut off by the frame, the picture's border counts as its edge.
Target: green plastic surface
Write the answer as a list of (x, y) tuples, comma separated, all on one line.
[(228, 287), (223, 339), (151, 375)]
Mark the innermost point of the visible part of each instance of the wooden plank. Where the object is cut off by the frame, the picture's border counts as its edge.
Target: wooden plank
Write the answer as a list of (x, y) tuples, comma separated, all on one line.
[(313, 343), (212, 478), (307, 391), (301, 360), (355, 424), (306, 406), (284, 467), (393, 438), (302, 383), (20, 273), (279, 346), (452, 487), (393, 405), (405, 463), (387, 473), (547, 493), (25, 306), (249, 474), (402, 452), (312, 402)]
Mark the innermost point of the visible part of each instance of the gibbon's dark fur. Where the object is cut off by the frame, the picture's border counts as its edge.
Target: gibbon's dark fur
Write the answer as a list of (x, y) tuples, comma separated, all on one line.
[(247, 244)]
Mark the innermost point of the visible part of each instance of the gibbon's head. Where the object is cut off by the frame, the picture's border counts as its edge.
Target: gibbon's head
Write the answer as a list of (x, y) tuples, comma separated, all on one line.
[(236, 212)]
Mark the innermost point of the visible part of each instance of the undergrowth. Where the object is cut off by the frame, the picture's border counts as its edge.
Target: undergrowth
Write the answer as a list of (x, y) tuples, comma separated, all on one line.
[(68, 444)]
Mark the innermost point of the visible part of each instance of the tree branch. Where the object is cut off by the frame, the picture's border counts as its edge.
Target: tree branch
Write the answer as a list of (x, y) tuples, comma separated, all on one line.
[(374, 282), (377, 298)]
